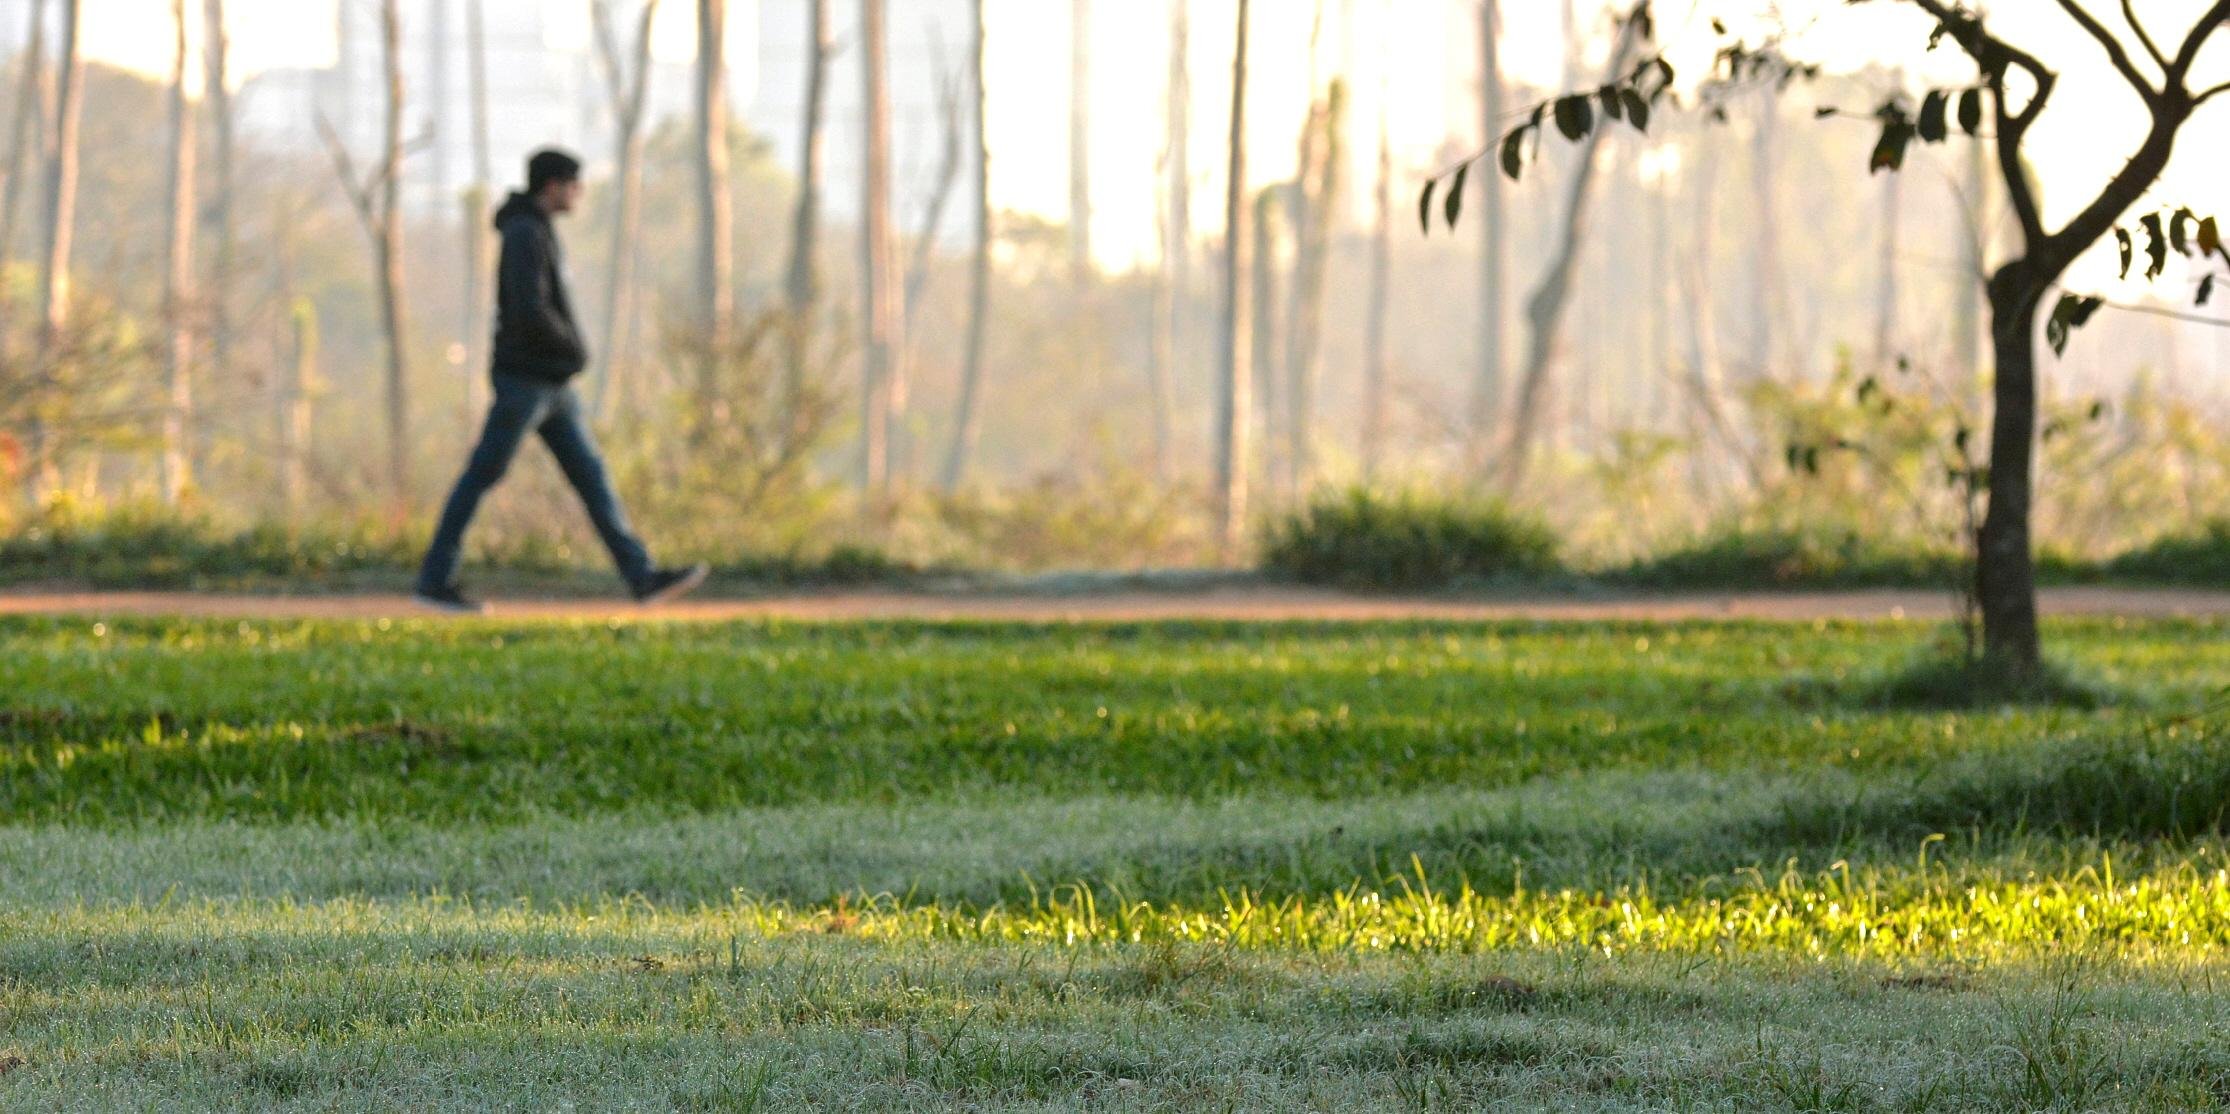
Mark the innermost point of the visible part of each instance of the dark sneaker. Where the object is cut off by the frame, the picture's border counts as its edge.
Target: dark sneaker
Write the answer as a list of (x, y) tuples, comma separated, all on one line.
[(449, 599), (669, 584)]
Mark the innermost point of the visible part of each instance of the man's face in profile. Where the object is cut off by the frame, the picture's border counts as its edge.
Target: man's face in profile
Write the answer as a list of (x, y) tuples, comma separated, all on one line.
[(561, 197)]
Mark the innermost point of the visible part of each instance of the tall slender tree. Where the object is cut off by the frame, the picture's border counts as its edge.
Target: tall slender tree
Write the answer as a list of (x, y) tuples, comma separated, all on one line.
[(377, 198), (223, 208), (965, 424), (802, 283), (883, 371), (1234, 386), (1545, 310), (627, 84), (60, 227), (27, 131), (715, 215), (1766, 300), (1376, 360), (1175, 280), (1322, 166), (1487, 387), (177, 461), (1080, 141), (477, 198)]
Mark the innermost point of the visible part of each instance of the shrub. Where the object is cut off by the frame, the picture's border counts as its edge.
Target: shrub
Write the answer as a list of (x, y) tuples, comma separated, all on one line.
[(1744, 558), (1359, 539), (2197, 558)]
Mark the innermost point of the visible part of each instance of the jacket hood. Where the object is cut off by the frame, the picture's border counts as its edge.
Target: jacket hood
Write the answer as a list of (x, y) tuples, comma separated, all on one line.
[(519, 205)]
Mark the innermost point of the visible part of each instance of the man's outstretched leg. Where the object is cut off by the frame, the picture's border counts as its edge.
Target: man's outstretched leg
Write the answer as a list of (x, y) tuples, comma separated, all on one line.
[(519, 407), (569, 441)]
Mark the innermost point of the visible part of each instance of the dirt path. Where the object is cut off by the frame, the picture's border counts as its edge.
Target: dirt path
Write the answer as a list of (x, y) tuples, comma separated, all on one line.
[(1241, 603)]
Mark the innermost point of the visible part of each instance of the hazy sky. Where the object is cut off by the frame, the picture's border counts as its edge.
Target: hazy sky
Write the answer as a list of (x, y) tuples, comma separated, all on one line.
[(1422, 52)]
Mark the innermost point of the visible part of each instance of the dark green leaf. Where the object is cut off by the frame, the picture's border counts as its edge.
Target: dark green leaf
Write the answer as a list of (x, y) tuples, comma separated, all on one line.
[(2128, 249), (1933, 129), (2206, 290), (2156, 246), (1513, 153), (2085, 309), (1889, 154), (1637, 110), (2210, 239), (1424, 205), (2179, 231), (1614, 106), (1574, 117), (1970, 111), (1453, 205)]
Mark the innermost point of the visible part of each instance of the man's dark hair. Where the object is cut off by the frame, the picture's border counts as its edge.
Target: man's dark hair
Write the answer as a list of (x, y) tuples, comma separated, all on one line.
[(551, 165)]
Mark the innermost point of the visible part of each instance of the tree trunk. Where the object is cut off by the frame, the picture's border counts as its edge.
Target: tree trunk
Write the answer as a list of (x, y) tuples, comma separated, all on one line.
[(294, 410), (1486, 392), (1080, 142), (1176, 258), (1375, 358), (715, 215), (177, 466), (1234, 393), (390, 253), (628, 75), (1268, 327), (480, 259), (1545, 310), (1973, 276), (882, 373), (1319, 190), (964, 426), (60, 226), (223, 207), (2005, 569), (802, 285), (1885, 287), (26, 134), (1765, 241)]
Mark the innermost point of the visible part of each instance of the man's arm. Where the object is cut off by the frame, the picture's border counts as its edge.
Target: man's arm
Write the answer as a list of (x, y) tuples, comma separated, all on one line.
[(529, 303)]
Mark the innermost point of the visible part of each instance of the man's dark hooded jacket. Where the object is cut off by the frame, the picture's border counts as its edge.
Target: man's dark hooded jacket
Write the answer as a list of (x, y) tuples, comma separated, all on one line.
[(536, 337)]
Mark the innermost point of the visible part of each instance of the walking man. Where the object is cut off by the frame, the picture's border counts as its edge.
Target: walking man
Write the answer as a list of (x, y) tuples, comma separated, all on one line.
[(538, 351)]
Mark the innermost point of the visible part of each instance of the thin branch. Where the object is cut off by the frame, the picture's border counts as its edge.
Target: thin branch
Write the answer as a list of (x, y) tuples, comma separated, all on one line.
[(2210, 94), (359, 194), (1954, 18), (2208, 24), (2114, 50), (2129, 12)]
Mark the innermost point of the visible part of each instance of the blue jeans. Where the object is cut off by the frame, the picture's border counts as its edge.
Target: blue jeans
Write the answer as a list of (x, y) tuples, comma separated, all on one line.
[(523, 405)]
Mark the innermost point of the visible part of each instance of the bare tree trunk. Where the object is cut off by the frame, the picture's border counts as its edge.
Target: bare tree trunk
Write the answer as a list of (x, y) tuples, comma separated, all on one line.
[(1319, 190), (26, 133), (1973, 276), (802, 286), (1885, 280), (1267, 330), (479, 259), (1234, 394), (1765, 240), (177, 465), (436, 135), (883, 380), (715, 216), (950, 126), (1176, 243), (1375, 358), (390, 252), (1487, 390), (60, 228), (964, 426), (217, 46), (1080, 142), (627, 80), (1545, 310), (294, 412)]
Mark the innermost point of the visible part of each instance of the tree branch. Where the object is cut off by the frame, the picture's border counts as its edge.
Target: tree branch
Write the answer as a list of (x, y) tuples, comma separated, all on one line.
[(2210, 94), (1954, 18), (2129, 12), (2114, 51), (2208, 24)]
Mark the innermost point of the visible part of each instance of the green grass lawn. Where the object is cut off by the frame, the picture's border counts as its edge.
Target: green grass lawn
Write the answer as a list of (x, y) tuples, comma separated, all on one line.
[(1174, 866)]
